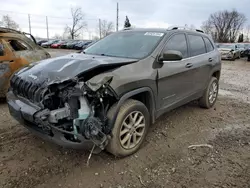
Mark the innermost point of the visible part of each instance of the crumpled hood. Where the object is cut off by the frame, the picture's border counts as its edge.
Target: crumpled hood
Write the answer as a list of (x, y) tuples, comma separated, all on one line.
[(56, 70)]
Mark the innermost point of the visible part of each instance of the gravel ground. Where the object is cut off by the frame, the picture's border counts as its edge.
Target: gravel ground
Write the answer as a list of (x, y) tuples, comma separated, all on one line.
[(167, 159)]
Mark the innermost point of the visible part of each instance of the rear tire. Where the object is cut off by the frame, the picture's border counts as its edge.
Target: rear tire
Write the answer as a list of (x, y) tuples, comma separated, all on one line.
[(130, 128), (210, 95)]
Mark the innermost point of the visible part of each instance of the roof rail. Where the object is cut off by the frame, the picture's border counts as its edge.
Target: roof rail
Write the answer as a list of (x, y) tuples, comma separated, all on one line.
[(184, 28), (198, 30)]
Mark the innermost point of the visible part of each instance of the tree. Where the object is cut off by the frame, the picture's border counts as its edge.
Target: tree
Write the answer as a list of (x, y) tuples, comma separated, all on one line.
[(127, 23), (241, 38), (105, 28), (224, 26), (57, 36), (78, 23), (9, 23), (247, 37)]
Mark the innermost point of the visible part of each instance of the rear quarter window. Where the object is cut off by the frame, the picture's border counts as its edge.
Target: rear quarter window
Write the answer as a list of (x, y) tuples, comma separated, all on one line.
[(209, 44), (18, 45), (197, 45)]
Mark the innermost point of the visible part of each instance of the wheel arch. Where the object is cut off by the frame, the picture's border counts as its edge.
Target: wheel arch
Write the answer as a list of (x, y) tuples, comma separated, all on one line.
[(144, 95), (216, 74)]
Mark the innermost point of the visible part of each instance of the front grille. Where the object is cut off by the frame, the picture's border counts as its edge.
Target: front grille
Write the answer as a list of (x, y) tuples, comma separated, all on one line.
[(26, 89)]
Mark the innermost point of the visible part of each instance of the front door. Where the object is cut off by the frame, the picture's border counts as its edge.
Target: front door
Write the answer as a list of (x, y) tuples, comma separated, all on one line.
[(175, 77)]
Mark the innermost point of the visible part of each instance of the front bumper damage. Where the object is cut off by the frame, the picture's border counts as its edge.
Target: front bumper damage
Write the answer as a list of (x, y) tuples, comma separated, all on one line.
[(227, 56), (69, 125), (25, 113)]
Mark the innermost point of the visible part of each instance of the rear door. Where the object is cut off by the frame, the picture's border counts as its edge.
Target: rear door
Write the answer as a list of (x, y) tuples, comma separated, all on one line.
[(175, 78), (201, 62)]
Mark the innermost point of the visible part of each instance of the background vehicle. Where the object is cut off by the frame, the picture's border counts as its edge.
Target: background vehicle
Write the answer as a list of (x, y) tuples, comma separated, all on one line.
[(241, 48), (109, 95), (229, 51), (82, 45), (49, 43), (41, 41), (72, 44), (65, 45), (17, 51), (246, 52), (57, 44)]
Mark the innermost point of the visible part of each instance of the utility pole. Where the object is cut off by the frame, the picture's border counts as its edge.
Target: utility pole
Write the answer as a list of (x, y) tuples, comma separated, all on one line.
[(117, 16), (47, 26), (100, 28), (29, 23)]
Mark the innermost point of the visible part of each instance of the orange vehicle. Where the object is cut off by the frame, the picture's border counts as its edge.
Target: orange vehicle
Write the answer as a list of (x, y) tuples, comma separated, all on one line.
[(16, 51)]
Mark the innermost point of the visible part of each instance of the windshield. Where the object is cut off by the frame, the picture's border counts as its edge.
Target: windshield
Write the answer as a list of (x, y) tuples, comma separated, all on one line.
[(129, 44), (228, 46)]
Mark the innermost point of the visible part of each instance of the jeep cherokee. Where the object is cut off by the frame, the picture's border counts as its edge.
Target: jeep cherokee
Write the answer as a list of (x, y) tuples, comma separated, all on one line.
[(108, 95)]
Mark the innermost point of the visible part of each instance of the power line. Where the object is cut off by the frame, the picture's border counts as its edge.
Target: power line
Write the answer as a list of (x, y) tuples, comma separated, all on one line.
[(42, 15)]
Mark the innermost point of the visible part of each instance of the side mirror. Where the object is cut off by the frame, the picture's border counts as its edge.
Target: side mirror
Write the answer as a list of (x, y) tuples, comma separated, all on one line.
[(171, 55), (231, 50)]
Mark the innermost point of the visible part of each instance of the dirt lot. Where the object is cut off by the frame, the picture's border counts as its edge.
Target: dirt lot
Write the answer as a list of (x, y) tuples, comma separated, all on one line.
[(165, 160)]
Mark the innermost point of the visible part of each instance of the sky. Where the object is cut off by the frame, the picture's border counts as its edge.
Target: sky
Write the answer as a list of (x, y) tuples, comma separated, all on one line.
[(141, 13)]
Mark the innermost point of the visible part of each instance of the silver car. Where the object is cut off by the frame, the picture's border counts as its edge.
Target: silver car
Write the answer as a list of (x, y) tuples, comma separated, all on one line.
[(229, 51)]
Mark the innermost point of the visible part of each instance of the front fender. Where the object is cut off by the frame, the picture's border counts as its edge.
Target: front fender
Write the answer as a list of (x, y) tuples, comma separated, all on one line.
[(131, 94)]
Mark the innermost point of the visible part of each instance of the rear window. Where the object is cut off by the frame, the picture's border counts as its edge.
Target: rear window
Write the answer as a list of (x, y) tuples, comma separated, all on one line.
[(209, 45), (18, 45), (197, 45)]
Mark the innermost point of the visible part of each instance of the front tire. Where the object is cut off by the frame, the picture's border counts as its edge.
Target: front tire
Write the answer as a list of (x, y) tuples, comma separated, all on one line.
[(210, 95), (130, 128)]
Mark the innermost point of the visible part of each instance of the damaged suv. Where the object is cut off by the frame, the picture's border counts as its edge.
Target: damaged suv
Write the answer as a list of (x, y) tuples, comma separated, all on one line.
[(108, 95)]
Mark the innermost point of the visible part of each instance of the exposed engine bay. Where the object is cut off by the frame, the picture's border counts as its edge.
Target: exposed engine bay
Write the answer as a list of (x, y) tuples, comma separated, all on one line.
[(67, 99), (76, 108)]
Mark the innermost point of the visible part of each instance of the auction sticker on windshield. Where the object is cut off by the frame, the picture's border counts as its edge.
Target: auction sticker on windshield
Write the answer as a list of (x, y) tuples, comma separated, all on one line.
[(154, 34)]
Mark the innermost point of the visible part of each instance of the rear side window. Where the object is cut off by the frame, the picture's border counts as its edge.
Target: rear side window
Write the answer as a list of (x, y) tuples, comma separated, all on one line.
[(209, 45), (197, 45), (18, 45), (179, 43)]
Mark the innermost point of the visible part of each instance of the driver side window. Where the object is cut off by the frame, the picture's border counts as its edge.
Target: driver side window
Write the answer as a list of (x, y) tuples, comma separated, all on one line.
[(178, 42)]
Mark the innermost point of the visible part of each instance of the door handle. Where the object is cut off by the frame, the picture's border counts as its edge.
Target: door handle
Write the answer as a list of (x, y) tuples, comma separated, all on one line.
[(210, 60), (189, 65)]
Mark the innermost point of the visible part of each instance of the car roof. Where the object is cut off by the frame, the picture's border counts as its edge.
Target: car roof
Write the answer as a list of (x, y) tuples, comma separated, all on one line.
[(162, 30), (166, 30)]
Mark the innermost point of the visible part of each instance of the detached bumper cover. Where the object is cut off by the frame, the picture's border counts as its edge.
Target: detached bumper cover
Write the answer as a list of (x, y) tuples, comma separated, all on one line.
[(24, 113)]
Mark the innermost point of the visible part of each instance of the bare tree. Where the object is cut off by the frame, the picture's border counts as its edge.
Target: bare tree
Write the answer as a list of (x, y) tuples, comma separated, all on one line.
[(225, 25), (9, 23), (247, 33), (78, 23), (105, 28), (57, 36)]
